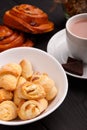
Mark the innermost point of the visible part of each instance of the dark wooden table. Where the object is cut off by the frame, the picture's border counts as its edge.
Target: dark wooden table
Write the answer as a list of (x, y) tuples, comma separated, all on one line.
[(72, 114)]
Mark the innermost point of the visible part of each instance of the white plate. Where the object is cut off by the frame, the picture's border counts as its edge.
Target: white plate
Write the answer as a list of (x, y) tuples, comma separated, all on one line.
[(57, 47)]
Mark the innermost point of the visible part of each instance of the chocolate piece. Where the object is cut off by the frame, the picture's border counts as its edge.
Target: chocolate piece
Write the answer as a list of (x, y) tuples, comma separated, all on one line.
[(70, 59), (74, 66)]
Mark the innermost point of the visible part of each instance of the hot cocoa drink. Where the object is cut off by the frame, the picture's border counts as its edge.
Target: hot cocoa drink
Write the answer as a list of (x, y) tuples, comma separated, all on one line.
[(79, 28)]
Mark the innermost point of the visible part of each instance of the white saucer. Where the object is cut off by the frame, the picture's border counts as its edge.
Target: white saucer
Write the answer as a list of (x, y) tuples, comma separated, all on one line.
[(57, 47)]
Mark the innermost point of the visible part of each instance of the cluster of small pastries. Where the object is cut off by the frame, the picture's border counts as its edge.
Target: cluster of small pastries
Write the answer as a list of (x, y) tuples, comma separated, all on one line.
[(28, 18), (21, 19), (24, 93)]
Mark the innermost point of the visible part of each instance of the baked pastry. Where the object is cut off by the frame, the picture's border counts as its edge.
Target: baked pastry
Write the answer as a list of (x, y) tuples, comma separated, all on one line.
[(30, 91), (21, 81), (28, 18), (10, 38), (27, 69), (28, 43), (32, 108), (28, 110), (8, 110), (9, 75), (11, 68), (17, 100), (8, 82), (5, 95), (47, 83), (43, 104)]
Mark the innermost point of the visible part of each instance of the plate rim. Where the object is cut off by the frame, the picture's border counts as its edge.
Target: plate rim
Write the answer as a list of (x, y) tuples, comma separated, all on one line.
[(48, 45)]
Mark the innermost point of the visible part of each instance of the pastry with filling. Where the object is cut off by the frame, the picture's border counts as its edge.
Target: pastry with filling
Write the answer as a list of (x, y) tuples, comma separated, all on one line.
[(29, 90), (47, 83), (32, 108), (28, 18), (11, 38)]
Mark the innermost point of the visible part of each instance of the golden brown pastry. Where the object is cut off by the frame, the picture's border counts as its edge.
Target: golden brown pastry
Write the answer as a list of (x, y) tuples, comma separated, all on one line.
[(28, 18), (47, 83), (5, 95), (17, 99), (8, 82), (27, 69), (10, 38), (11, 68), (30, 109), (8, 110), (21, 81), (43, 104), (9, 75), (30, 91), (28, 43)]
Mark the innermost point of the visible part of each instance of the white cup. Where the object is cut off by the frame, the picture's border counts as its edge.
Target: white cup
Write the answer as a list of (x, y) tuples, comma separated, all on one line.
[(77, 44)]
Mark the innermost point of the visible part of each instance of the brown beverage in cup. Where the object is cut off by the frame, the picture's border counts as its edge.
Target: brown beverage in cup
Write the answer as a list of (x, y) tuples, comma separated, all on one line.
[(79, 28), (76, 36)]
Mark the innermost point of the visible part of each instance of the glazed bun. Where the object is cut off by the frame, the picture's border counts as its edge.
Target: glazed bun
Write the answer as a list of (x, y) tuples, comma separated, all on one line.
[(28, 18), (10, 38)]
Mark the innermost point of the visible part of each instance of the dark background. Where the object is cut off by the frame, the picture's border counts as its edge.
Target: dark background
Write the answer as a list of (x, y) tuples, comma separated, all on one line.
[(72, 114)]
